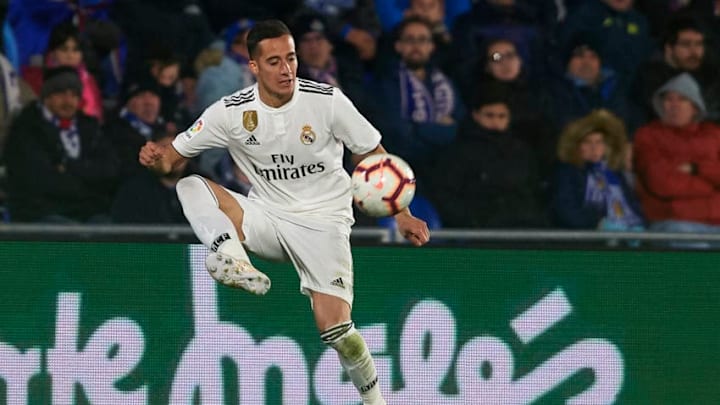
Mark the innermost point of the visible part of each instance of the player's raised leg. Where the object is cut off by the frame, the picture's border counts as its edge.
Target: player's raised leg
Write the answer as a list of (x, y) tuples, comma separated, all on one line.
[(216, 217), (332, 316)]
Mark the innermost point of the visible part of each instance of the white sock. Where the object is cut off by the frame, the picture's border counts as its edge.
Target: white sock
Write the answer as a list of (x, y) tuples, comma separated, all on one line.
[(210, 224), (356, 360)]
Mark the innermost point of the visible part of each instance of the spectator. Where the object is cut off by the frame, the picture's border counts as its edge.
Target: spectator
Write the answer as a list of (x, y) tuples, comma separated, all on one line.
[(678, 161), (60, 169), (709, 12), (417, 106), (488, 177), (164, 68), (187, 97), (391, 13), (149, 198), (222, 13), (179, 26), (355, 21), (501, 63), (587, 84), (529, 24), (64, 49), (685, 50), (317, 59), (9, 44), (229, 71), (16, 93), (106, 58), (32, 21), (660, 12), (434, 12), (626, 41), (590, 189), (137, 122)]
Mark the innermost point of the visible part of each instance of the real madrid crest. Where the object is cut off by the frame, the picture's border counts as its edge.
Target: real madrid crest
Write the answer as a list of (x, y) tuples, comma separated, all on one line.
[(307, 136), (250, 120)]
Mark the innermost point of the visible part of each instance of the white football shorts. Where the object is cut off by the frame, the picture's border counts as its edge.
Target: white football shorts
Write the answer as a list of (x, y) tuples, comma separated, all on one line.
[(319, 248)]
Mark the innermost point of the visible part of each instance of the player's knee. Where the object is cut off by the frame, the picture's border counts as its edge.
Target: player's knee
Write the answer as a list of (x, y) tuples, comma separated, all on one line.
[(352, 347), (190, 188), (345, 339), (187, 184)]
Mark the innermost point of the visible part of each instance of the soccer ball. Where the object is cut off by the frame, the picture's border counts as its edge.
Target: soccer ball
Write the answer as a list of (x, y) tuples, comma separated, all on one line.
[(382, 185)]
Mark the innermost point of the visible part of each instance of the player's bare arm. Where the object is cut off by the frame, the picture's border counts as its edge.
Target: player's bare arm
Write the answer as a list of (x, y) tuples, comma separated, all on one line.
[(377, 151), (411, 228), (158, 158)]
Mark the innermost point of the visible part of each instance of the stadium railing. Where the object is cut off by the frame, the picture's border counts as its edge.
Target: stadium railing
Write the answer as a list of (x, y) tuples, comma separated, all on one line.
[(372, 235)]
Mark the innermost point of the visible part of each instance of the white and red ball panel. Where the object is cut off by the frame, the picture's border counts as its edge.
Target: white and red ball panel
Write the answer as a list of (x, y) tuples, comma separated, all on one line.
[(382, 185)]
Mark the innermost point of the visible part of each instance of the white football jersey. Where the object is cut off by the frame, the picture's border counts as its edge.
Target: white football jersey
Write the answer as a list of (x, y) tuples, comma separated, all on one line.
[(293, 155)]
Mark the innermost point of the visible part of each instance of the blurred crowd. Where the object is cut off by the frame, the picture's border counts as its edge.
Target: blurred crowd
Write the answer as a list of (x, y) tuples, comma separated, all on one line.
[(574, 114)]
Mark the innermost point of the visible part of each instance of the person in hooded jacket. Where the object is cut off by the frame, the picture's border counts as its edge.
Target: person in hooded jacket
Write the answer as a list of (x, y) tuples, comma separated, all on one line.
[(590, 188), (677, 160)]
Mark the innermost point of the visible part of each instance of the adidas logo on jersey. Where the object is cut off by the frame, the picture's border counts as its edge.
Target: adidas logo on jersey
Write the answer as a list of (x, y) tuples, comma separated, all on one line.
[(338, 282), (252, 141)]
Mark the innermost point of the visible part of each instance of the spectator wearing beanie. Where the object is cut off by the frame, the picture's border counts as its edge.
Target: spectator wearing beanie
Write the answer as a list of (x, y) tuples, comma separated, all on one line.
[(319, 58), (137, 122), (587, 84), (60, 169)]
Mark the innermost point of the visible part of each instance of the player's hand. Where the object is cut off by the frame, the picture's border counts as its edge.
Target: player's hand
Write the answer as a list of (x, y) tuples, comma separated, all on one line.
[(411, 228), (151, 155)]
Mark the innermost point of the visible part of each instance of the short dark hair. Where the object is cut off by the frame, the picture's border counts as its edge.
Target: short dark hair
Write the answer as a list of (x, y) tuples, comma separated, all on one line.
[(60, 34), (263, 30), (400, 28), (490, 92), (681, 23)]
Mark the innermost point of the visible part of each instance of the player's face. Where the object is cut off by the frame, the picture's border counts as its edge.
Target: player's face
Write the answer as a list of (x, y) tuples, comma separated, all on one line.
[(688, 51), (415, 45), (63, 104), (592, 148), (678, 110), (275, 67)]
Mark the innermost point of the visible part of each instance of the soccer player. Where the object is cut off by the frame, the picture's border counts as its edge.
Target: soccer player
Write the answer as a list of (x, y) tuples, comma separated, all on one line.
[(287, 135)]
